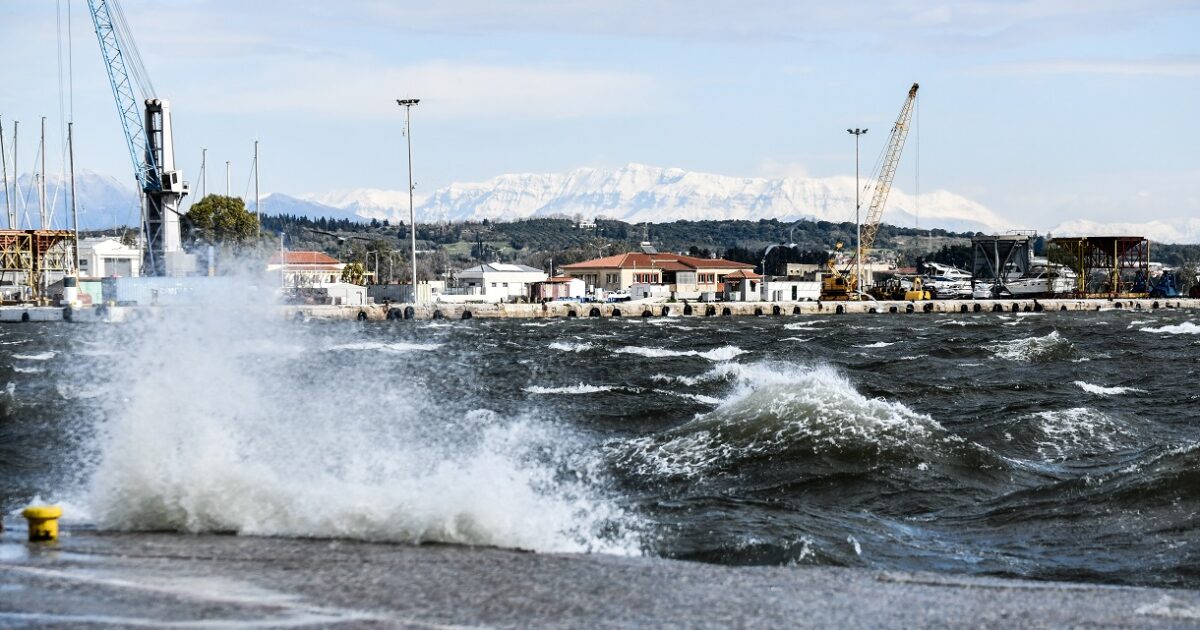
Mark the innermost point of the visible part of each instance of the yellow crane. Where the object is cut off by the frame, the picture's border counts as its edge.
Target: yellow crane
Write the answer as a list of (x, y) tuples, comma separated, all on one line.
[(843, 284)]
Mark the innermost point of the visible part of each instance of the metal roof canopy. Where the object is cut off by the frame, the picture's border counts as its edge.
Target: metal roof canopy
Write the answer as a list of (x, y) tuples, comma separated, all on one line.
[(1107, 266)]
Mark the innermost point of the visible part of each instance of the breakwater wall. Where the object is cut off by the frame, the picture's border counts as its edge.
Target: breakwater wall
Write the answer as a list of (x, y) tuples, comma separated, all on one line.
[(723, 309), (400, 312)]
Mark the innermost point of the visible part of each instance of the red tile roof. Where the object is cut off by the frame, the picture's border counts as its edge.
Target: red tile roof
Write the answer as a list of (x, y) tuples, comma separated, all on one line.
[(667, 262), (305, 258), (742, 275)]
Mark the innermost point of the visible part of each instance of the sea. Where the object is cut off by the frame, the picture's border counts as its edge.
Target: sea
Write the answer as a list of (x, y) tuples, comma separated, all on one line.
[(1060, 446)]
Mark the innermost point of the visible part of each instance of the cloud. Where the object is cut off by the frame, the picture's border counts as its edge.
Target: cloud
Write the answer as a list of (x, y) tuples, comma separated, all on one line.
[(1160, 67), (447, 89)]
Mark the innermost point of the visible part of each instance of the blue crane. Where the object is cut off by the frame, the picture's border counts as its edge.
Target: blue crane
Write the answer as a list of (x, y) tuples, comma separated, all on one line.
[(147, 137)]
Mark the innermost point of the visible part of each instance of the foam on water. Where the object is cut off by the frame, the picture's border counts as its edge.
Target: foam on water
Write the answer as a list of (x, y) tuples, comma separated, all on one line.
[(1034, 349), (37, 356), (201, 437), (1068, 433), (1186, 328), (581, 388), (877, 344), (773, 409), (385, 347), (1100, 390), (566, 346), (723, 353)]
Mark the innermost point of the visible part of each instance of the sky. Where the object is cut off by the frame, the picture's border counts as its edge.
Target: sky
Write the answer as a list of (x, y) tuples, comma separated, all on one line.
[(1042, 111)]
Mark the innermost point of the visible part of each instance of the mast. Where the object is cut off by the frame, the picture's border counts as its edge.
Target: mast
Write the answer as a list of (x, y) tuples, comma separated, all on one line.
[(4, 167), (74, 208), (15, 221), (257, 199), (42, 180), (203, 172)]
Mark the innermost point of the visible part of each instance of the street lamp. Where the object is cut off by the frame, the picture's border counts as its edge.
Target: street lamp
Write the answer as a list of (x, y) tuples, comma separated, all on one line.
[(856, 132), (407, 104)]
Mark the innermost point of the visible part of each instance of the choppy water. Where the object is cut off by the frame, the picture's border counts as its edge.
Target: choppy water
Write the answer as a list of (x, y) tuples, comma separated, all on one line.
[(1040, 445)]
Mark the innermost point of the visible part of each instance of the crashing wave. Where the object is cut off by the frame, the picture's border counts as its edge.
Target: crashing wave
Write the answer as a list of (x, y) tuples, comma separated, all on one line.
[(1034, 349), (723, 353)]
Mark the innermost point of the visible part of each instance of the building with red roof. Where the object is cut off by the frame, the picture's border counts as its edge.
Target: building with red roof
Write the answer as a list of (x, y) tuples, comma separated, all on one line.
[(306, 269), (686, 276)]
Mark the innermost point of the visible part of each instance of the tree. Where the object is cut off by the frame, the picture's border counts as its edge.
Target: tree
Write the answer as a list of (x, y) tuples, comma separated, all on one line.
[(220, 220), (354, 273)]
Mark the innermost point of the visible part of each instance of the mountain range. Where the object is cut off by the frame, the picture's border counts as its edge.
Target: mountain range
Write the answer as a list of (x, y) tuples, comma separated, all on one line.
[(634, 193)]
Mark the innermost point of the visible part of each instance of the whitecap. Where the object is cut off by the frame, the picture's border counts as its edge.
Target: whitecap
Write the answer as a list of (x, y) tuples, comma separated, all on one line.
[(1186, 328), (804, 324), (723, 353), (385, 347), (571, 347), (1032, 348), (878, 344), (1106, 391), (37, 356), (27, 370), (581, 388)]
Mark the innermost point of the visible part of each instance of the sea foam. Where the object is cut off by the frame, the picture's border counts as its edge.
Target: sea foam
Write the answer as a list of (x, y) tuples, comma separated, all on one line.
[(203, 438)]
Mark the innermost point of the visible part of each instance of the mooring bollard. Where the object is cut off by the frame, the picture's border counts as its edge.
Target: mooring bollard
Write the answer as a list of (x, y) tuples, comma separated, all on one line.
[(43, 522)]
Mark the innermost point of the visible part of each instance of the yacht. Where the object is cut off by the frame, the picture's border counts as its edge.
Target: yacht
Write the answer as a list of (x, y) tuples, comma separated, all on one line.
[(1043, 279), (946, 281)]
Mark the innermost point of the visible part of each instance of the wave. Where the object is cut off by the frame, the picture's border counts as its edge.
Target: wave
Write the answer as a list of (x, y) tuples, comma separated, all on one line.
[(804, 325), (581, 388), (1186, 328), (723, 353), (582, 346), (1034, 349), (256, 446), (775, 410), (27, 370), (1106, 391), (36, 356), (877, 344), (385, 347), (1069, 433)]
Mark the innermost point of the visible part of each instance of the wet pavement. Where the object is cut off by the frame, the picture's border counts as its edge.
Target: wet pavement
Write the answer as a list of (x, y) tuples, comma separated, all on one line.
[(171, 580)]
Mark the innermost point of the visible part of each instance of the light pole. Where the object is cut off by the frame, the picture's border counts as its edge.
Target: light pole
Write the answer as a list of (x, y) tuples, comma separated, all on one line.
[(407, 104), (856, 132)]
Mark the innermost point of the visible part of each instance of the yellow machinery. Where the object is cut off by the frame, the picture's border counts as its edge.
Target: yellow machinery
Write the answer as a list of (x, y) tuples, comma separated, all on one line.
[(844, 284)]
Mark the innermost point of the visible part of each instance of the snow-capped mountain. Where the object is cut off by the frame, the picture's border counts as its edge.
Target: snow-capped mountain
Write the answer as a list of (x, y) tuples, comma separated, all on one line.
[(637, 193), (279, 203), (1162, 231), (103, 202)]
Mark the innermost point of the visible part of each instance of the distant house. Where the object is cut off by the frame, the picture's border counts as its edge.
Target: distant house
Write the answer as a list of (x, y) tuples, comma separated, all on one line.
[(560, 288), (685, 276), (498, 282), (743, 286), (107, 256), (306, 269)]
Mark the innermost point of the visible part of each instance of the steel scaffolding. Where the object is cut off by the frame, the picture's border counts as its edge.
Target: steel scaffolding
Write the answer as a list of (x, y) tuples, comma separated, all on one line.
[(27, 256), (1107, 266)]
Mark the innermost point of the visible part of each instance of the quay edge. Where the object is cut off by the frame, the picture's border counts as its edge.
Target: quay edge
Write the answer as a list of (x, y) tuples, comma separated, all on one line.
[(379, 312)]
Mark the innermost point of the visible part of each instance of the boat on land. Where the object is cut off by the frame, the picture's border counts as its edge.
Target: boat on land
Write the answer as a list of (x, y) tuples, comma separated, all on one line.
[(1043, 279), (946, 282)]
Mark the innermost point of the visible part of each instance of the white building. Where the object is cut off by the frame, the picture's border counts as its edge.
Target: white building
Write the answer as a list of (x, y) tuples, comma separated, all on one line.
[(306, 269), (107, 257), (497, 282)]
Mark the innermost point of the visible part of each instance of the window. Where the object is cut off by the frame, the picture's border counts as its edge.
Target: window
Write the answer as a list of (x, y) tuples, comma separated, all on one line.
[(708, 278), (82, 262), (493, 285)]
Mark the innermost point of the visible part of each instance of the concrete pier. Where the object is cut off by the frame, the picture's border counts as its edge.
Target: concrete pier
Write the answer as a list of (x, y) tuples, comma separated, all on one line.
[(722, 309), (400, 312)]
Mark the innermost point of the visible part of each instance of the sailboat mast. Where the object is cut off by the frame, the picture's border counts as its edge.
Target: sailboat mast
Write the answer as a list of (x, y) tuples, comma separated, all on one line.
[(4, 167), (257, 199), (74, 208), (42, 180), (14, 223)]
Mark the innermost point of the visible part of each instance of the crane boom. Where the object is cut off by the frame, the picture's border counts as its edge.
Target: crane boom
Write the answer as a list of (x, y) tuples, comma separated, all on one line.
[(148, 138), (111, 40), (887, 173)]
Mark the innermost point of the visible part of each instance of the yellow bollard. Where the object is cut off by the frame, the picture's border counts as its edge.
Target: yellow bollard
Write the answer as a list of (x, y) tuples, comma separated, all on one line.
[(43, 522)]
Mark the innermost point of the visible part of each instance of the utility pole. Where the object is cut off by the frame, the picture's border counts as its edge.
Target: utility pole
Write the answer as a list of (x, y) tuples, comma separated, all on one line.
[(858, 252), (203, 172), (226, 178), (407, 104), (257, 199), (4, 164)]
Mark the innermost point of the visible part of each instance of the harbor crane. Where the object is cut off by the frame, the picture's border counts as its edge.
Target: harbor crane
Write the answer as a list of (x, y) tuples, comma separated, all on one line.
[(148, 137), (844, 284)]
